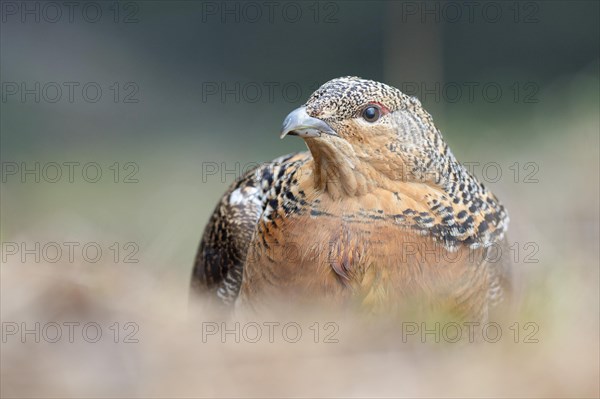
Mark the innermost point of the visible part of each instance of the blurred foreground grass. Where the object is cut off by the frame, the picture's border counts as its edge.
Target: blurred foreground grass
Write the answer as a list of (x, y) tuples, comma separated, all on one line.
[(167, 355)]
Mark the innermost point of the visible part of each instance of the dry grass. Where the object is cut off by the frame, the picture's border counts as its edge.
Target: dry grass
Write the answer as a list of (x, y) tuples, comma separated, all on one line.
[(369, 359)]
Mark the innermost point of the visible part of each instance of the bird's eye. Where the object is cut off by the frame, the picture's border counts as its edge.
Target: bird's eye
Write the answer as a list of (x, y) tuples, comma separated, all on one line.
[(371, 113)]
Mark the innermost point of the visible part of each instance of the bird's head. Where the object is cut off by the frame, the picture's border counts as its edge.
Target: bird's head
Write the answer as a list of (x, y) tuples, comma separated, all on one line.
[(363, 133)]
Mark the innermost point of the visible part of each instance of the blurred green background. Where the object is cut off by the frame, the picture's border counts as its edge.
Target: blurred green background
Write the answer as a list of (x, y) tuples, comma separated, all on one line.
[(185, 88), (185, 85)]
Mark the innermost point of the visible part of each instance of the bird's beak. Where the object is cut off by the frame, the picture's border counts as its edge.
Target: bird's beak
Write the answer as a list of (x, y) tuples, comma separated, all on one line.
[(299, 123)]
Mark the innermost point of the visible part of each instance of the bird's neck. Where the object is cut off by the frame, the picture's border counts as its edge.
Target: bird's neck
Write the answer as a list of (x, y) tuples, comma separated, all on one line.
[(437, 197), (339, 173), (342, 173)]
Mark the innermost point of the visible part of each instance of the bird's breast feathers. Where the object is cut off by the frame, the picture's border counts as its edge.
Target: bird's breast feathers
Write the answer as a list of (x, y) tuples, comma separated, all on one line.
[(384, 244)]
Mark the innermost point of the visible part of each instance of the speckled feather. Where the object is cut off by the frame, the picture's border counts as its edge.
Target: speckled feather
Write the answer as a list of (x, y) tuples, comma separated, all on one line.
[(350, 210), (219, 262)]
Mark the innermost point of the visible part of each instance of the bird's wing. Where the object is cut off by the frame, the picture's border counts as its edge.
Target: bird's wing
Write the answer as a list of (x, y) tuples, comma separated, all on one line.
[(220, 260)]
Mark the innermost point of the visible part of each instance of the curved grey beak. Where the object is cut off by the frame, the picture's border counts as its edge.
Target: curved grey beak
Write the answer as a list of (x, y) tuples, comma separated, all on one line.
[(299, 123)]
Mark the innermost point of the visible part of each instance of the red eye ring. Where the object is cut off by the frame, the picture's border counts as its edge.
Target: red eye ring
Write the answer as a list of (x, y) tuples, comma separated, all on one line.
[(373, 111)]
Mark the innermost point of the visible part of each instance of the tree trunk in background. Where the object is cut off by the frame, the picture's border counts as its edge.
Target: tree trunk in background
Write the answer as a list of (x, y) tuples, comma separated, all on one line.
[(412, 51)]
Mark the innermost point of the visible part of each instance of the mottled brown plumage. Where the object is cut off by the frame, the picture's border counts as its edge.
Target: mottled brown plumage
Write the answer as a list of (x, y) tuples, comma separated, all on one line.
[(378, 212)]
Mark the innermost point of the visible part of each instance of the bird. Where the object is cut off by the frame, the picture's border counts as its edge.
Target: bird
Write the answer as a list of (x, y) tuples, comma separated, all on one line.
[(376, 214)]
